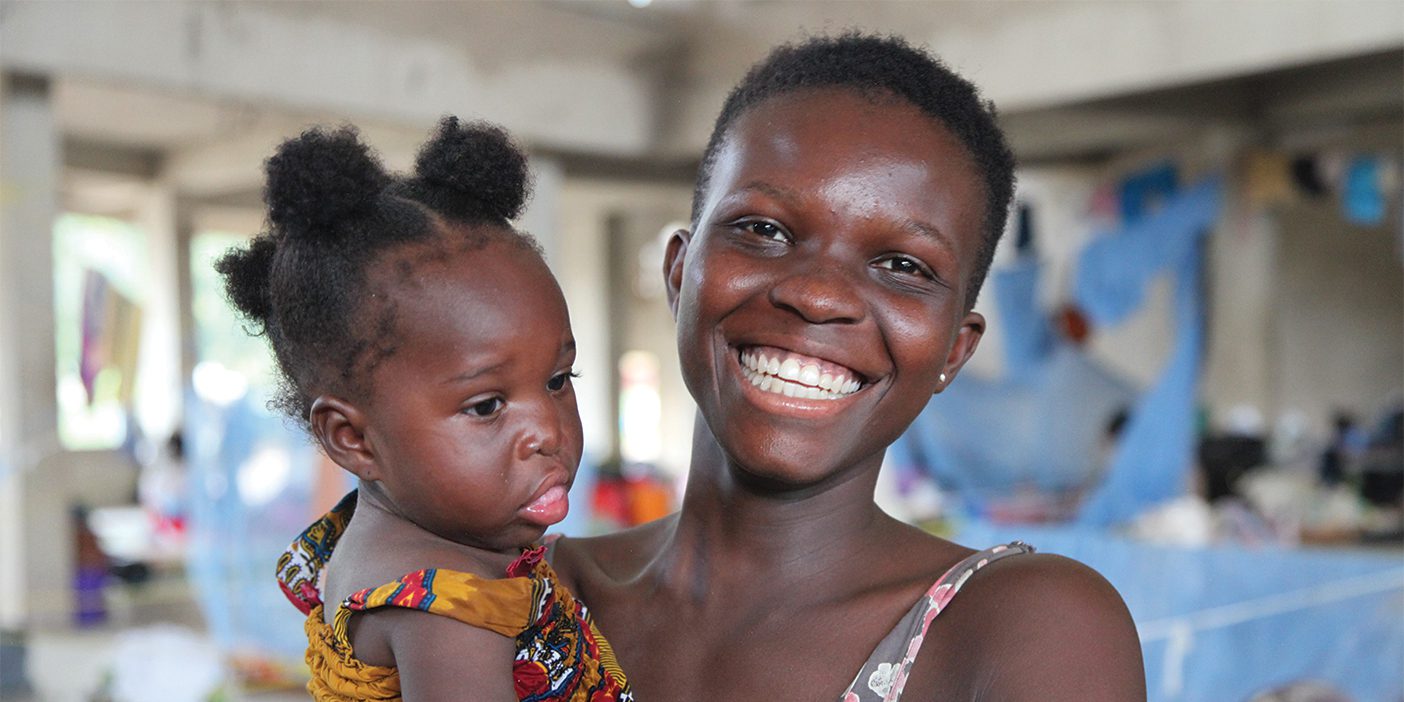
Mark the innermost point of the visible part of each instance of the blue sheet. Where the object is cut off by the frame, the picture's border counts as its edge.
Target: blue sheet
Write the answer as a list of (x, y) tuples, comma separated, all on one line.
[(1221, 624), (1156, 448)]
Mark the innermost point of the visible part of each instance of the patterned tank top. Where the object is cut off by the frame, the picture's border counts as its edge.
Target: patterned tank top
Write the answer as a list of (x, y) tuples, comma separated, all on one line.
[(884, 675)]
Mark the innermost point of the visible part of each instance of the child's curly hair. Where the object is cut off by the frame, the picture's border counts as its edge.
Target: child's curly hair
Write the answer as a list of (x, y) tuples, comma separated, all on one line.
[(333, 210)]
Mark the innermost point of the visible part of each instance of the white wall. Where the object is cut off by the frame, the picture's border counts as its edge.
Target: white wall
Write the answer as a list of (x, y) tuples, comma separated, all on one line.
[(1338, 323)]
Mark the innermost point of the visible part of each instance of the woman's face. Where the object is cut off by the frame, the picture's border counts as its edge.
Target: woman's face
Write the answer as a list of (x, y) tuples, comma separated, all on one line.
[(823, 293)]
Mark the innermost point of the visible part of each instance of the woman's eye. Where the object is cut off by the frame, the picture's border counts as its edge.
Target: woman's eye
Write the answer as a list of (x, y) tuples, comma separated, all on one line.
[(559, 381), (903, 265), (486, 408), (767, 230)]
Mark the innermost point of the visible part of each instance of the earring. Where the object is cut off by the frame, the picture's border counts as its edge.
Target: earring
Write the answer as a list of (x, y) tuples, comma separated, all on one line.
[(943, 377)]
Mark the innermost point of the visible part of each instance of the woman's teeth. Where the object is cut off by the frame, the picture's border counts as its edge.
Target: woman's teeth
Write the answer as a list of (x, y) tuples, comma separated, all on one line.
[(795, 378)]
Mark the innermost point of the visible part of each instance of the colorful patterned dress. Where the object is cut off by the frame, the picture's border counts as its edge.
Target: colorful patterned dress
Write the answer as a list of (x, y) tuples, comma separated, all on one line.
[(561, 655)]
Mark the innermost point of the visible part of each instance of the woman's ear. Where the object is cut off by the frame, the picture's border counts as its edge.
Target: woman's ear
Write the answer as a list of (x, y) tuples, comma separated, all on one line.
[(673, 258), (967, 339), (341, 429)]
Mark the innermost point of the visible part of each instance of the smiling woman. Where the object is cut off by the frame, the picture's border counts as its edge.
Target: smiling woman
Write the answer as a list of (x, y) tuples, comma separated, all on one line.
[(845, 216), (822, 250)]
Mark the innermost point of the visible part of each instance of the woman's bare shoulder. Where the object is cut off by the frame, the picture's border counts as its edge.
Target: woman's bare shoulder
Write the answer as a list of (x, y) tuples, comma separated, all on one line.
[(1048, 628)]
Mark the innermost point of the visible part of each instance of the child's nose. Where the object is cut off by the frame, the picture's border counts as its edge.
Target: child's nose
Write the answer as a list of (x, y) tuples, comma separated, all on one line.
[(543, 436), (820, 292)]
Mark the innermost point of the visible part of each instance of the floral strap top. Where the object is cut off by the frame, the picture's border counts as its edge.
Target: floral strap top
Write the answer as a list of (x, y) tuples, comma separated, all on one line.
[(885, 673), (561, 655)]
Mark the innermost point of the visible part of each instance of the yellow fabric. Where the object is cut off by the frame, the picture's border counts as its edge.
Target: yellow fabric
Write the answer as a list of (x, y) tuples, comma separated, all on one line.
[(336, 674), (503, 606), (561, 656)]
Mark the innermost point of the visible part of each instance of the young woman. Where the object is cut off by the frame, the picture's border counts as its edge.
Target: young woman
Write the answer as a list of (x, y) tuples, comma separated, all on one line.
[(846, 213)]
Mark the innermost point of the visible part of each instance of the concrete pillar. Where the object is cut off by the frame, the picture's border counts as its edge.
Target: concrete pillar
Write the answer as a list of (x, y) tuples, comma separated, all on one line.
[(574, 249), (189, 345), (1240, 357), (30, 168), (542, 218), (582, 268), (159, 379)]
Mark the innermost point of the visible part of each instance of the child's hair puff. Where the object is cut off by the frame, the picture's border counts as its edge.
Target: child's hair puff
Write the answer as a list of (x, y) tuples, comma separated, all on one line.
[(321, 180), (333, 210), (448, 172)]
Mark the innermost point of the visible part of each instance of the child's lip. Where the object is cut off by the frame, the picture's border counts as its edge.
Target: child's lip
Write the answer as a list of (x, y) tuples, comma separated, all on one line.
[(550, 502)]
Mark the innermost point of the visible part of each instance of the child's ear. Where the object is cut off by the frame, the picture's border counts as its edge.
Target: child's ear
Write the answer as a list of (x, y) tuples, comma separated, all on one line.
[(341, 428), (673, 258), (967, 338)]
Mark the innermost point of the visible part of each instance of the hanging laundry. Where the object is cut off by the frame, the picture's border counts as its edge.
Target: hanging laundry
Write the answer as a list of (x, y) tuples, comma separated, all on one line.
[(1142, 192), (93, 351), (1023, 238), (1156, 447), (1362, 198), (1267, 178), (1306, 174), (111, 337)]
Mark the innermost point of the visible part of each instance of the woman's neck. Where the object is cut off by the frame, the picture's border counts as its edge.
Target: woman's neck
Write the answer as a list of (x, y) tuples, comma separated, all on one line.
[(732, 530)]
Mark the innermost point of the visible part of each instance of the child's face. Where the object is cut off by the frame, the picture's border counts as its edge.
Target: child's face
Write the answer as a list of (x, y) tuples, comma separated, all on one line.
[(836, 238), (472, 419)]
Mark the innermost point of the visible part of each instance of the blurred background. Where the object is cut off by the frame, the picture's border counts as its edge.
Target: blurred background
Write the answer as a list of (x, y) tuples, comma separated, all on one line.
[(1192, 380)]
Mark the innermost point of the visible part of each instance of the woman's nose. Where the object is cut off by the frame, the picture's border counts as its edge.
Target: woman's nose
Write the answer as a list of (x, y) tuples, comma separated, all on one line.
[(821, 293)]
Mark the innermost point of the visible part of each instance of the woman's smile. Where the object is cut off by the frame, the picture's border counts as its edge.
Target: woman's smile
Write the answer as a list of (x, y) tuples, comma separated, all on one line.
[(793, 374), (782, 381)]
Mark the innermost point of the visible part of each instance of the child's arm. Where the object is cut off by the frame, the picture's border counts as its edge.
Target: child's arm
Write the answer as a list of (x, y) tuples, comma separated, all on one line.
[(442, 659)]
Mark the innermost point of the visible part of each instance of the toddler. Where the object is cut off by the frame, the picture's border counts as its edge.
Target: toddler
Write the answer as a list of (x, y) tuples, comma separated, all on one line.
[(425, 345)]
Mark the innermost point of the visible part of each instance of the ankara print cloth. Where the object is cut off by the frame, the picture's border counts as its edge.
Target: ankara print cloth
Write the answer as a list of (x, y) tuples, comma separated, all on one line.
[(561, 655)]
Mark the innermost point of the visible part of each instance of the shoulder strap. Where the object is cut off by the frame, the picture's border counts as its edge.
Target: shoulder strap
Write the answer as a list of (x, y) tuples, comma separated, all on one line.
[(885, 672), (501, 605)]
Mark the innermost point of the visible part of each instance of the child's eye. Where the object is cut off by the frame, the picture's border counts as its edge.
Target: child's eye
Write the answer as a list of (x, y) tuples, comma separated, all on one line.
[(559, 380), (905, 266), (486, 408)]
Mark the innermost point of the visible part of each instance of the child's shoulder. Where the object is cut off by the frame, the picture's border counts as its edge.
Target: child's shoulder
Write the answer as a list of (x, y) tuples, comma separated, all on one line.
[(362, 562)]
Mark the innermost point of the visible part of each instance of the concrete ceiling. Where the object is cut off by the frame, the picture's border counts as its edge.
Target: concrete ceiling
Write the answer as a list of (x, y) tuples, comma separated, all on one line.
[(202, 91)]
